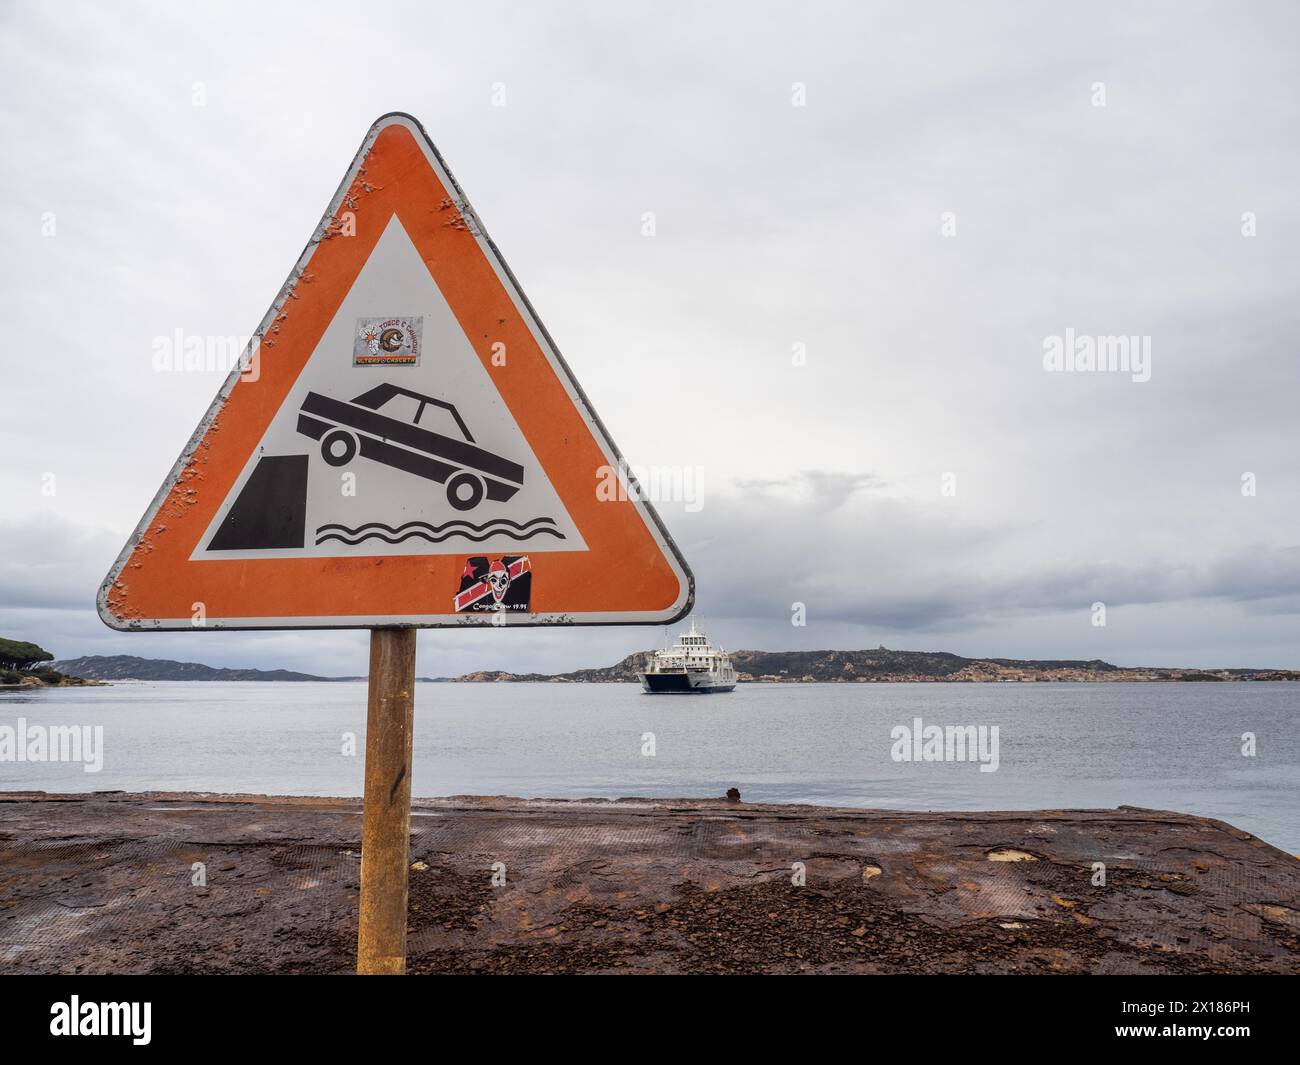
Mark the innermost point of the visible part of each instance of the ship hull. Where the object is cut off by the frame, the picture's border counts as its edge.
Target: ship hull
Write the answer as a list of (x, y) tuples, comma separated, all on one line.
[(681, 684)]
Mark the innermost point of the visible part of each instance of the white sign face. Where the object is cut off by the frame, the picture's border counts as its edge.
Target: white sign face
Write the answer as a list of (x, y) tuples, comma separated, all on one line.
[(404, 457)]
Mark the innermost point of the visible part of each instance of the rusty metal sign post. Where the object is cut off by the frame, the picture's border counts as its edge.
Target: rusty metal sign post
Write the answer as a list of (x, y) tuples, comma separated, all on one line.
[(401, 446)]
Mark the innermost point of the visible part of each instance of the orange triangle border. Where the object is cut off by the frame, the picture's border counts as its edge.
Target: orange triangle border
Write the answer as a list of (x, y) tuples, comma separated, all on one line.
[(632, 572)]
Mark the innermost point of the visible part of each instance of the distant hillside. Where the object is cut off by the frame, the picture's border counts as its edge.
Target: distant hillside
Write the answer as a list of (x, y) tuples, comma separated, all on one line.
[(884, 666), (878, 666), (129, 667), (621, 671)]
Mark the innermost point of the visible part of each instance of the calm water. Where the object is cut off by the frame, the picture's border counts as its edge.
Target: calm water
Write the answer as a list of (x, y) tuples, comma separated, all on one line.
[(1172, 746)]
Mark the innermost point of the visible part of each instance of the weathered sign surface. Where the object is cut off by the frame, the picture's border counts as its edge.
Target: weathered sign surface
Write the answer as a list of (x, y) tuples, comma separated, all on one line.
[(402, 445)]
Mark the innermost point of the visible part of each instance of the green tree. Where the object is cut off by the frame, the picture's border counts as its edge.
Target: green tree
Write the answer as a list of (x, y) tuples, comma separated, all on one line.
[(14, 654)]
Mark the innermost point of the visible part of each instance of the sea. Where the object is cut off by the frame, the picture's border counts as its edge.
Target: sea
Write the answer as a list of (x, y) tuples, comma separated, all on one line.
[(1224, 750)]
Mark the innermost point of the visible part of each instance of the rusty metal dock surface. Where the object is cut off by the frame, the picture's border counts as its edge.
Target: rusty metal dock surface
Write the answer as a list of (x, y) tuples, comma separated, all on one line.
[(105, 883)]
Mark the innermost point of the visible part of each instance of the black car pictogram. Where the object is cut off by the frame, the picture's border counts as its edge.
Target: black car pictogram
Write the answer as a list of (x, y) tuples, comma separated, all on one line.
[(346, 428)]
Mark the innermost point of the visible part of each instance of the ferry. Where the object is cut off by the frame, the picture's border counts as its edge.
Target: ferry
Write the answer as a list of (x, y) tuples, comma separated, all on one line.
[(691, 666)]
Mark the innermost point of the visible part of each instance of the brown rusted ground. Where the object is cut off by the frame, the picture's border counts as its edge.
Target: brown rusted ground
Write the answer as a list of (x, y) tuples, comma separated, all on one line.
[(102, 883)]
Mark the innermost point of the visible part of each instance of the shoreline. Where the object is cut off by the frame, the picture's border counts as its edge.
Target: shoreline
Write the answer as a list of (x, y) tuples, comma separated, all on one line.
[(104, 883), (79, 682)]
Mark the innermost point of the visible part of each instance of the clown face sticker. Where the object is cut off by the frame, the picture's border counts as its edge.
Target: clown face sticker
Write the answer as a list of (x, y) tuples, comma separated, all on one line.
[(488, 585)]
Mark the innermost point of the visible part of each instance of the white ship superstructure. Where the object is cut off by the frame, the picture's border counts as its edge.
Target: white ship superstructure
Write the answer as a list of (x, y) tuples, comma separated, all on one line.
[(691, 666)]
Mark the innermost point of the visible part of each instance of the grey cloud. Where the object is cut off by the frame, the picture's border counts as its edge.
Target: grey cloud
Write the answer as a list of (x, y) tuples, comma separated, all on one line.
[(818, 490), (913, 566), (50, 563)]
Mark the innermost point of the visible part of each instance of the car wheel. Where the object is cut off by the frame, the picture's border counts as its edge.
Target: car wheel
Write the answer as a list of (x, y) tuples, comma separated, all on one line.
[(464, 491), (339, 447)]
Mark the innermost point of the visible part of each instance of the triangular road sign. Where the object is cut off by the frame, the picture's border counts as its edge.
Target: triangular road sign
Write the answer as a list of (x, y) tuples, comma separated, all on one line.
[(401, 445)]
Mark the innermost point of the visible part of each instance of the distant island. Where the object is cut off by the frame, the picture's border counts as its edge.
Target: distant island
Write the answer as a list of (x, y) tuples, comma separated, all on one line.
[(881, 666), (131, 667)]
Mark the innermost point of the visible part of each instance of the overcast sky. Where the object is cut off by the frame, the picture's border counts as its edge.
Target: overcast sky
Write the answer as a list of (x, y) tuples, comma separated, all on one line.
[(1095, 167)]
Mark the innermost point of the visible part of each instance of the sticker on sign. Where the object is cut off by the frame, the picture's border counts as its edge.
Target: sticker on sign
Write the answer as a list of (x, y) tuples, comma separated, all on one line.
[(387, 342), (413, 450)]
